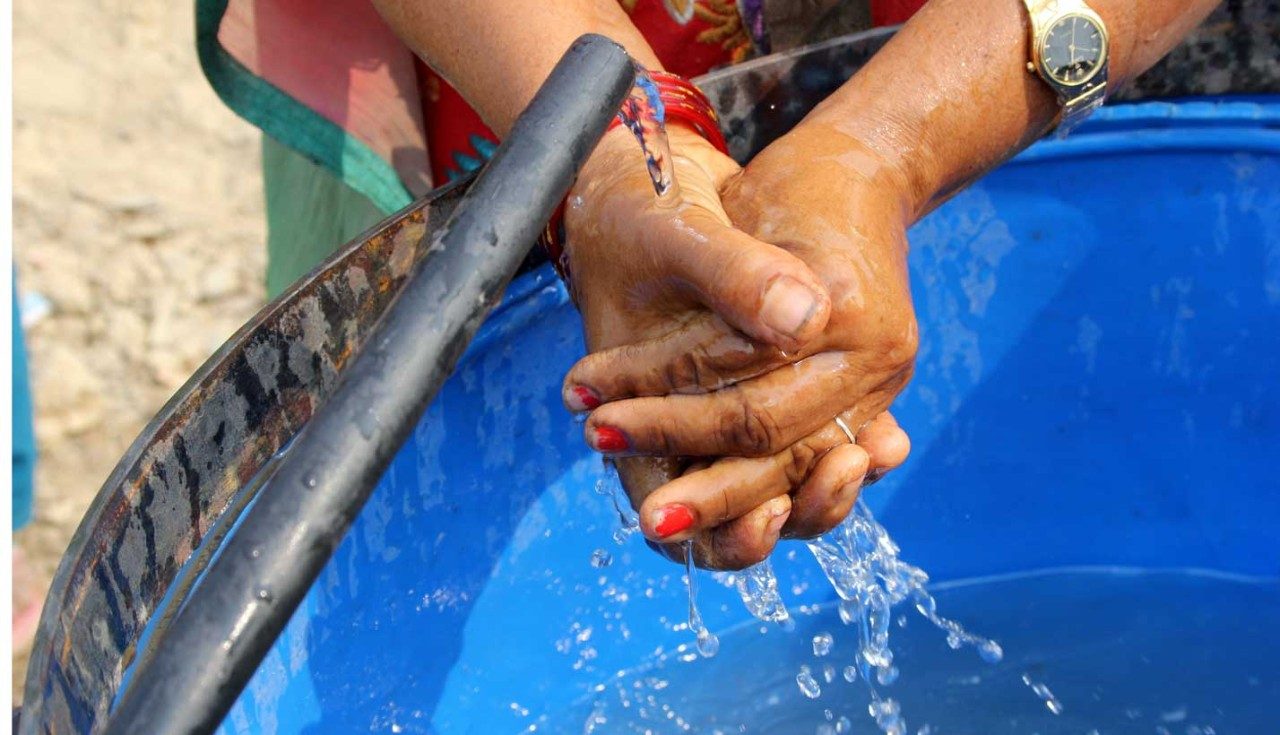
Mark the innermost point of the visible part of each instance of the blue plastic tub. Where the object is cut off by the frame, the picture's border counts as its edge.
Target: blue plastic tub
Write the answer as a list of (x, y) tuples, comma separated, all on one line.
[(1098, 385)]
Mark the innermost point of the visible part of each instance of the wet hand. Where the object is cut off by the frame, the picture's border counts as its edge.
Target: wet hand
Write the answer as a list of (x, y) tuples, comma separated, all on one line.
[(641, 268), (705, 389), (735, 510)]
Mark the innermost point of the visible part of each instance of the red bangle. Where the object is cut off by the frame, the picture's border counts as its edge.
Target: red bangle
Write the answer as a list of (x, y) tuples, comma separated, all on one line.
[(683, 103)]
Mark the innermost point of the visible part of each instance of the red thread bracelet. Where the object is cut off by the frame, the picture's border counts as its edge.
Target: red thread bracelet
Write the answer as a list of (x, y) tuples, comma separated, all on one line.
[(683, 103)]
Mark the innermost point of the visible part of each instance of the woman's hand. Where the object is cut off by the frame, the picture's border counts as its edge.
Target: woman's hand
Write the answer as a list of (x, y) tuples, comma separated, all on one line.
[(945, 101), (640, 267), (698, 387)]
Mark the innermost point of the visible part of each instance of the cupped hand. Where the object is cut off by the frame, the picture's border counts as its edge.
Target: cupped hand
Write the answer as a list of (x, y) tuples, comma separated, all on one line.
[(640, 267), (704, 389), (642, 270)]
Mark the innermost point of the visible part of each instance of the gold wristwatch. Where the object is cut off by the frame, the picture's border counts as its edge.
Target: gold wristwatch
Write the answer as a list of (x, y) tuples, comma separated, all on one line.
[(1069, 44)]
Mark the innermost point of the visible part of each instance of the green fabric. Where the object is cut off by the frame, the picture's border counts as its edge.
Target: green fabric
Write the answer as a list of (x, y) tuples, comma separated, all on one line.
[(289, 121), (310, 213)]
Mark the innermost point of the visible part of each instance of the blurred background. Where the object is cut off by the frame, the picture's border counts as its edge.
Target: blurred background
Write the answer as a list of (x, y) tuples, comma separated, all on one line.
[(138, 239)]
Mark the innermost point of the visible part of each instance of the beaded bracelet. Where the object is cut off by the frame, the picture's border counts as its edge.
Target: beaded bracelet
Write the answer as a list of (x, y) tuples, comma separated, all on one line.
[(683, 103)]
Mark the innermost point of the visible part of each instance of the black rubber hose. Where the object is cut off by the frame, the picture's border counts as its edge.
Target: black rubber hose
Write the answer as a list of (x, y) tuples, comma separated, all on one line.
[(250, 591)]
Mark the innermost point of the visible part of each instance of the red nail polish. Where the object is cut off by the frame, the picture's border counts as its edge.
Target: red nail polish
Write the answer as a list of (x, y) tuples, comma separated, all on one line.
[(672, 519), (586, 397), (609, 439)]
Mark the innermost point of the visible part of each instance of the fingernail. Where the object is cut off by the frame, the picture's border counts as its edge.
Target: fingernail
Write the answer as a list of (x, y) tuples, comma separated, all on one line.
[(788, 306), (608, 439), (582, 398), (872, 477), (672, 519)]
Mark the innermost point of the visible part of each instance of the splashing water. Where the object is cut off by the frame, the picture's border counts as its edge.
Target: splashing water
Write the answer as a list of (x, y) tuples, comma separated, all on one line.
[(809, 686), (758, 588), (1151, 625), (645, 116), (858, 557), (862, 564), (610, 486), (1051, 702)]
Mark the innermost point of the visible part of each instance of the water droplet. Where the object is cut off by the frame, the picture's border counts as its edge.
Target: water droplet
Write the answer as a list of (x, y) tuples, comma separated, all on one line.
[(850, 674), (822, 644), (310, 480), (367, 422), (264, 594), (843, 725), (991, 652), (888, 715), (708, 643), (809, 686), (1042, 691), (601, 558)]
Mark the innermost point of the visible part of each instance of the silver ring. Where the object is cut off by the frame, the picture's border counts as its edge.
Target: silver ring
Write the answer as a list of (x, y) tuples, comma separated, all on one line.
[(845, 428)]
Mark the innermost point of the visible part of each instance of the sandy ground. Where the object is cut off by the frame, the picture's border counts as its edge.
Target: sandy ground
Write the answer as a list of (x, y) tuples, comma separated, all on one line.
[(138, 214)]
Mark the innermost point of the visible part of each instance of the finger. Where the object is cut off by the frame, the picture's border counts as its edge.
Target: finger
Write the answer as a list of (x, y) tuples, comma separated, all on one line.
[(755, 418), (729, 488), (642, 475), (702, 355), (886, 443), (740, 543), (828, 493), (758, 288)]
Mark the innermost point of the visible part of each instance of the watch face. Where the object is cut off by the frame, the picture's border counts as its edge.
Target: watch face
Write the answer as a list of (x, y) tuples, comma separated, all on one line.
[(1073, 49)]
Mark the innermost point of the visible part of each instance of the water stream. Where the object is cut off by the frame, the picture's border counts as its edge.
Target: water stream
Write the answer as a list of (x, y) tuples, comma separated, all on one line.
[(645, 116), (858, 557)]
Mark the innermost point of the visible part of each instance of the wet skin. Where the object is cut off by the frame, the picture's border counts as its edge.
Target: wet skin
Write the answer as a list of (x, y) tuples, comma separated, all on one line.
[(729, 332), (657, 341), (751, 412)]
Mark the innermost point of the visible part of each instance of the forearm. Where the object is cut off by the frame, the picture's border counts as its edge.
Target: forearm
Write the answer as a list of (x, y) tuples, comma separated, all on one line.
[(497, 53), (950, 96)]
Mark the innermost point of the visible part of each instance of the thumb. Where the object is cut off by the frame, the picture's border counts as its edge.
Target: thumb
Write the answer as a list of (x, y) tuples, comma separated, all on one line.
[(760, 289)]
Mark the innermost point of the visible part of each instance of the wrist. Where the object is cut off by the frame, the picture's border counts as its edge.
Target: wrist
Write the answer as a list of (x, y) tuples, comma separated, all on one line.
[(861, 168)]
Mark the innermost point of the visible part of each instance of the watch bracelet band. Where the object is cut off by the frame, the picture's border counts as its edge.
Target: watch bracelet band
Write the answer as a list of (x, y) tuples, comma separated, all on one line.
[(1077, 109)]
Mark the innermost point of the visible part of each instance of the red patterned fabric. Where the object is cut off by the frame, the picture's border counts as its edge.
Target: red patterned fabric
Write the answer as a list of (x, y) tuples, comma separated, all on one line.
[(690, 37), (893, 12)]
